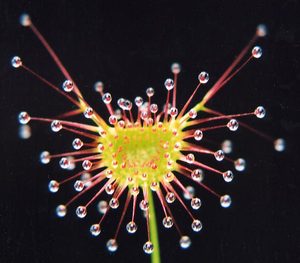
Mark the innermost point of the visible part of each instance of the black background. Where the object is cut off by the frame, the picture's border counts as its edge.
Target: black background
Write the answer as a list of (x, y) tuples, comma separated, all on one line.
[(130, 46)]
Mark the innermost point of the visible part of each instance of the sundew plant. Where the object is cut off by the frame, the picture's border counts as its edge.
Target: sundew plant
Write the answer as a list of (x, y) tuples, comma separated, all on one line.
[(143, 150)]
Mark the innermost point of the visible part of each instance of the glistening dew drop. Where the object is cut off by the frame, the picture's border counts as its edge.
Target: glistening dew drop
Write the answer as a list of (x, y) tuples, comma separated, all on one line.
[(143, 149)]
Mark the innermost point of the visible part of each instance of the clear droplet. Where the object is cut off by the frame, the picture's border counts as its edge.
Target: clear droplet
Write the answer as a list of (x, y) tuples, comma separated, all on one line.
[(219, 155), (189, 193), (169, 84), (261, 30), (228, 176), (144, 205), (203, 77), (16, 62), (148, 247), (153, 108), (53, 186), (68, 85), (175, 68), (197, 175), (170, 197), (61, 210), (190, 158), (45, 157), (102, 207), (87, 165), (173, 111), (131, 227), (127, 105), (226, 146), (95, 229), (64, 163), (98, 86), (225, 201), (81, 211), (260, 112), (106, 98), (233, 125), (24, 131), (72, 164), (198, 135), (257, 52), (78, 186), (77, 144), (56, 126), (196, 225), (112, 245), (150, 92), (240, 164), (88, 113), (279, 145), (185, 242), (112, 119), (196, 203), (167, 222), (109, 189), (114, 203), (138, 101), (23, 117), (192, 114), (25, 20)]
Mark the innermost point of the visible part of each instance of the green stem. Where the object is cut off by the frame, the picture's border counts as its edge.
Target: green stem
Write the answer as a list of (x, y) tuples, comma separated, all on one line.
[(155, 256)]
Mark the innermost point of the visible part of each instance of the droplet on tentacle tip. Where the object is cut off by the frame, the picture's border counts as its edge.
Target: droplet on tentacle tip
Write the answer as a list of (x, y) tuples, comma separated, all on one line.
[(169, 84), (87, 165), (196, 203), (196, 225), (81, 211), (78, 185), (77, 144), (107, 98), (64, 163), (68, 85), (219, 155), (56, 126), (228, 176), (257, 52), (260, 112), (150, 92), (16, 62), (23, 117), (131, 227), (114, 203), (203, 77), (45, 157), (88, 113), (261, 30), (167, 222), (53, 186), (279, 145), (198, 135), (112, 245), (233, 125), (197, 175), (185, 242), (148, 247), (95, 229), (170, 197), (25, 20), (240, 164), (175, 68), (61, 210), (98, 86), (138, 101), (225, 201)]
